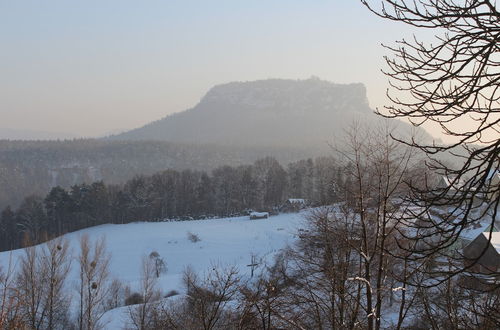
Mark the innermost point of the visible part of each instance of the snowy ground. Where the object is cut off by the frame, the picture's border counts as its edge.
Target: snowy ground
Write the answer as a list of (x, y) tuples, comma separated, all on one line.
[(229, 241)]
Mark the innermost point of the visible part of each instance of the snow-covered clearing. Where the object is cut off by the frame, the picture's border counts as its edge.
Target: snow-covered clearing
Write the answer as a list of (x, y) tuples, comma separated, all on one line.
[(223, 242)]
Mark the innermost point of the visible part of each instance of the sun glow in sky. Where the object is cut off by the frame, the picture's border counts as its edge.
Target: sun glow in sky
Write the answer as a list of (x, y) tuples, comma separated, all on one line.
[(94, 67)]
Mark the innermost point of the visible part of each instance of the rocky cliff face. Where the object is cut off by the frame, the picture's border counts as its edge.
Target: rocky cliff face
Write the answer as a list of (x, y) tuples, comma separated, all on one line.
[(272, 112), (289, 96)]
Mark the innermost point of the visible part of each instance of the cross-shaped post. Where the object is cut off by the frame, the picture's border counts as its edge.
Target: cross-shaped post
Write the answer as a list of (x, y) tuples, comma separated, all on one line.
[(253, 265)]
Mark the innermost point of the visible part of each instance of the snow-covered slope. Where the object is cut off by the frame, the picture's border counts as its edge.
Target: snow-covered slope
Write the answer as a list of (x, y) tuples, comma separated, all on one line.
[(229, 241)]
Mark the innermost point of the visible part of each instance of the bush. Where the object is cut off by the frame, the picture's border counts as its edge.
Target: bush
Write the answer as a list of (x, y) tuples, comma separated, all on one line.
[(193, 237), (134, 299), (154, 255), (171, 294), (159, 263)]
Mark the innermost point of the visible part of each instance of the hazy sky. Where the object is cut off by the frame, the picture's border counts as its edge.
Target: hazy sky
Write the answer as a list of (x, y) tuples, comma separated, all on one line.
[(91, 67)]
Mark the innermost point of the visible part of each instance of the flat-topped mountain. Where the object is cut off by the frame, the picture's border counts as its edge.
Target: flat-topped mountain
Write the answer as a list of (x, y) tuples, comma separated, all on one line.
[(274, 112), (290, 97)]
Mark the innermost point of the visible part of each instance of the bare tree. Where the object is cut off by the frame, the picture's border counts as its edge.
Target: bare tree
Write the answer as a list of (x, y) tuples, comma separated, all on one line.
[(320, 266), (451, 305), (116, 295), (266, 302), (55, 258), (206, 304), (40, 285), (160, 266), (208, 297), (453, 82), (10, 311), (31, 284), (346, 266), (143, 315), (377, 167), (93, 282)]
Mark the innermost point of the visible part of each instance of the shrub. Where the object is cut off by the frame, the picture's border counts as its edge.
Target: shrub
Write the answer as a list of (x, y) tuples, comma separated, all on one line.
[(193, 237), (171, 294), (154, 255), (134, 299)]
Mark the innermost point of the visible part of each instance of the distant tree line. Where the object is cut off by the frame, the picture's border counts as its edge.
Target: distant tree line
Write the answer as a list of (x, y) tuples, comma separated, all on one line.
[(171, 194), (34, 167)]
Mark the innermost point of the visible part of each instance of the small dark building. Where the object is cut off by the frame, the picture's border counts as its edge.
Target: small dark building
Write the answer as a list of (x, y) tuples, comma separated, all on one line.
[(294, 205)]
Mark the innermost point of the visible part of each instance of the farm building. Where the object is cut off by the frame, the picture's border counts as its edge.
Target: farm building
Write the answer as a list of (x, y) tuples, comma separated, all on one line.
[(294, 205)]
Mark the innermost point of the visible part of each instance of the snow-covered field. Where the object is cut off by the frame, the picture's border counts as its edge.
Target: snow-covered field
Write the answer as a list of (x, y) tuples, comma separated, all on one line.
[(223, 242)]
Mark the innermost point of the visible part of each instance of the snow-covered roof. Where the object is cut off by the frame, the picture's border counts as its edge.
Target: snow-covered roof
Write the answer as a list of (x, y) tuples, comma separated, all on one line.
[(259, 214), (474, 230), (450, 182)]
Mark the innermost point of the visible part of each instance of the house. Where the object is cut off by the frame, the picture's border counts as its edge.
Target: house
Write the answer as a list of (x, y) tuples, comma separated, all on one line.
[(483, 253), (472, 231), (259, 215), (294, 205), (448, 221)]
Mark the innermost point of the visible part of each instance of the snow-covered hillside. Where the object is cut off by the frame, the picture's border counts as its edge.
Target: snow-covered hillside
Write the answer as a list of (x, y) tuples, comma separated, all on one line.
[(225, 242)]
